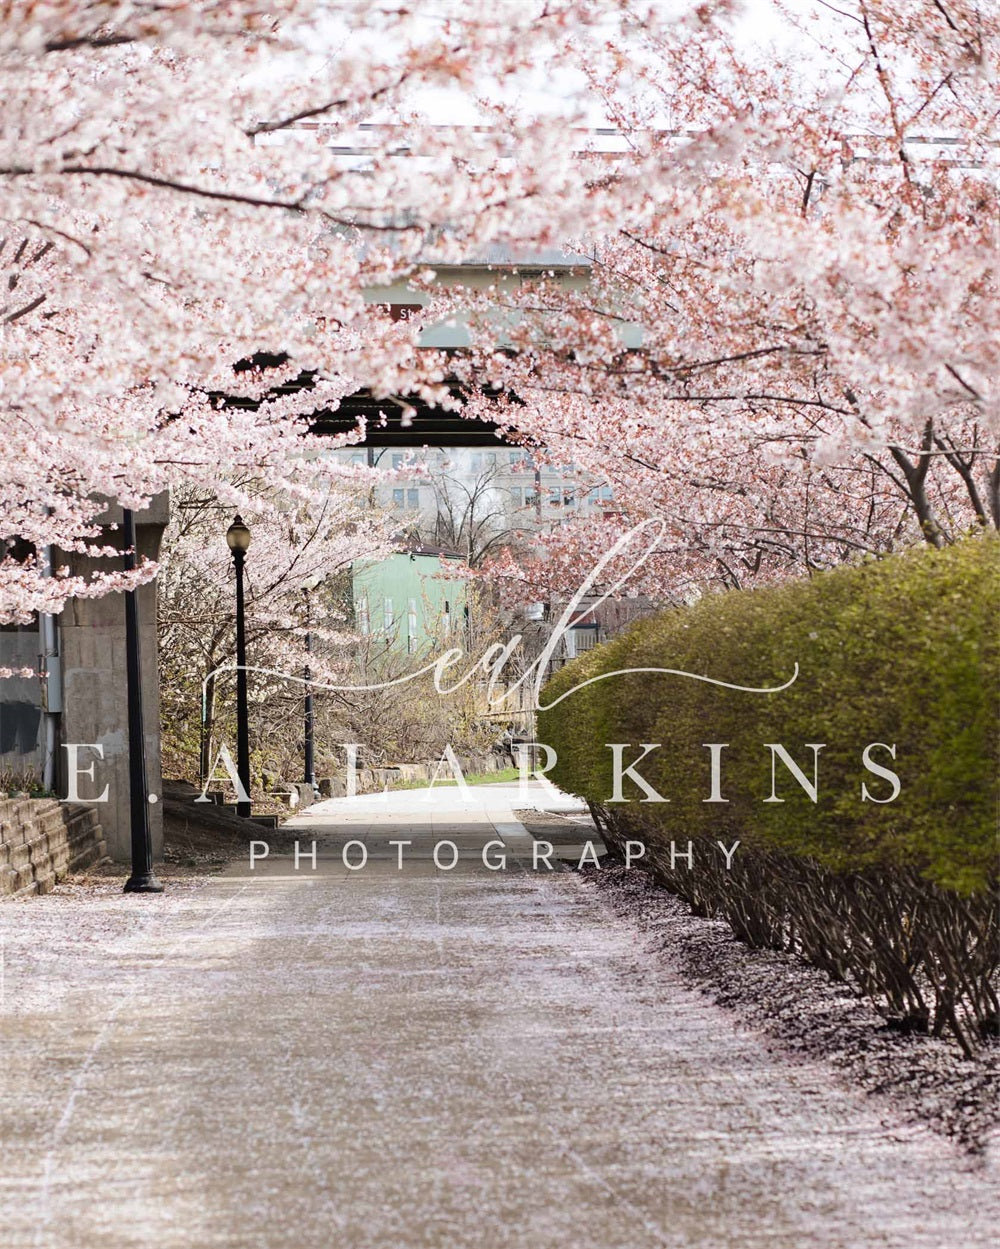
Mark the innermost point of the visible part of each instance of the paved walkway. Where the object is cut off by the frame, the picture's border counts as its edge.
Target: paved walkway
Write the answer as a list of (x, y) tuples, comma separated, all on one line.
[(387, 1059)]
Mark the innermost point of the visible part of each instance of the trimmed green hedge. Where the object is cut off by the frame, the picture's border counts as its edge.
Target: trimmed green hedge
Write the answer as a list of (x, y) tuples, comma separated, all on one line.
[(902, 651)]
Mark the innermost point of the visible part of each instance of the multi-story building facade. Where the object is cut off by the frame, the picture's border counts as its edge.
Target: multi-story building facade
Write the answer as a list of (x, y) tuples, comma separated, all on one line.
[(507, 490)]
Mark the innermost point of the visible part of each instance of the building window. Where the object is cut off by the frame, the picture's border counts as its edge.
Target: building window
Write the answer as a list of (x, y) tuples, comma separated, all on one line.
[(580, 638), (516, 496), (411, 625), (398, 497), (387, 617), (413, 500), (607, 493), (397, 459), (364, 624)]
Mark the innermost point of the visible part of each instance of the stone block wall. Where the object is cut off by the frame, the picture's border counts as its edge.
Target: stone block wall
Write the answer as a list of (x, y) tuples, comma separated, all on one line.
[(374, 780), (43, 840)]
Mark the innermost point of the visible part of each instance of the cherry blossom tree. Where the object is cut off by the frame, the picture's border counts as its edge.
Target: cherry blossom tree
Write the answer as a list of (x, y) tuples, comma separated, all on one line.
[(176, 200), (810, 251), (296, 606), (807, 242)]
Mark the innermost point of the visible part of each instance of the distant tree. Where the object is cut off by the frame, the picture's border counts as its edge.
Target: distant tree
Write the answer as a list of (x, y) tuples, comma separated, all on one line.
[(475, 513)]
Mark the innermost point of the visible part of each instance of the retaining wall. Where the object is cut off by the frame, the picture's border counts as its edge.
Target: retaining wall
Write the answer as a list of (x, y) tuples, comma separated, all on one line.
[(43, 840)]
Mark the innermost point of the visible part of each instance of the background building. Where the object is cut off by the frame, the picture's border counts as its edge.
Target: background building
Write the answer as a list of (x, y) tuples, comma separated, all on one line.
[(474, 500), (414, 602)]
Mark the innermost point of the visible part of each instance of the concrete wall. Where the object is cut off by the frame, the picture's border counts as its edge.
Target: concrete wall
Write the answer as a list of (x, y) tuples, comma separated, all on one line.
[(92, 644)]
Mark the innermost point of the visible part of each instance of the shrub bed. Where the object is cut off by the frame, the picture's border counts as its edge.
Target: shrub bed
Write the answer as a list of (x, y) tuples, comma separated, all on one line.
[(896, 895)]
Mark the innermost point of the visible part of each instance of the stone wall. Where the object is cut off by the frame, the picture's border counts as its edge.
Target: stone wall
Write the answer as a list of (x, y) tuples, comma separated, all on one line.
[(42, 840), (374, 780)]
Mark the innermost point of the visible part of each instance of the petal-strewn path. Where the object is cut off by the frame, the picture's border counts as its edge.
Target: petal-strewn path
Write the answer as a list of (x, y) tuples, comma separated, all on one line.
[(410, 1058)]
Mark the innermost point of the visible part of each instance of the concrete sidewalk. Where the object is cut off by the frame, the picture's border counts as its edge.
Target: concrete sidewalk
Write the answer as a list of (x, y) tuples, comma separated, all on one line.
[(386, 1059)]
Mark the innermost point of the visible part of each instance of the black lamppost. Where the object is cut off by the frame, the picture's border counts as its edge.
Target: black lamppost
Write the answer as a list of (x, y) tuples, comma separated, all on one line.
[(308, 752), (238, 538), (142, 878)]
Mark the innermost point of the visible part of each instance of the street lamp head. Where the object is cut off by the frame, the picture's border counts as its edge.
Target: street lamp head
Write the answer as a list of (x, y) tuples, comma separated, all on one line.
[(238, 536)]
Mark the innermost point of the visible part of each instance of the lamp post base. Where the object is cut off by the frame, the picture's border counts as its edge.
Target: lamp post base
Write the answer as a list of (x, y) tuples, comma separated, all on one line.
[(146, 883)]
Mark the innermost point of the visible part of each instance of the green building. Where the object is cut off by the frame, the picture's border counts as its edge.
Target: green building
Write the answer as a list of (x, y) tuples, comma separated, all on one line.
[(414, 602)]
